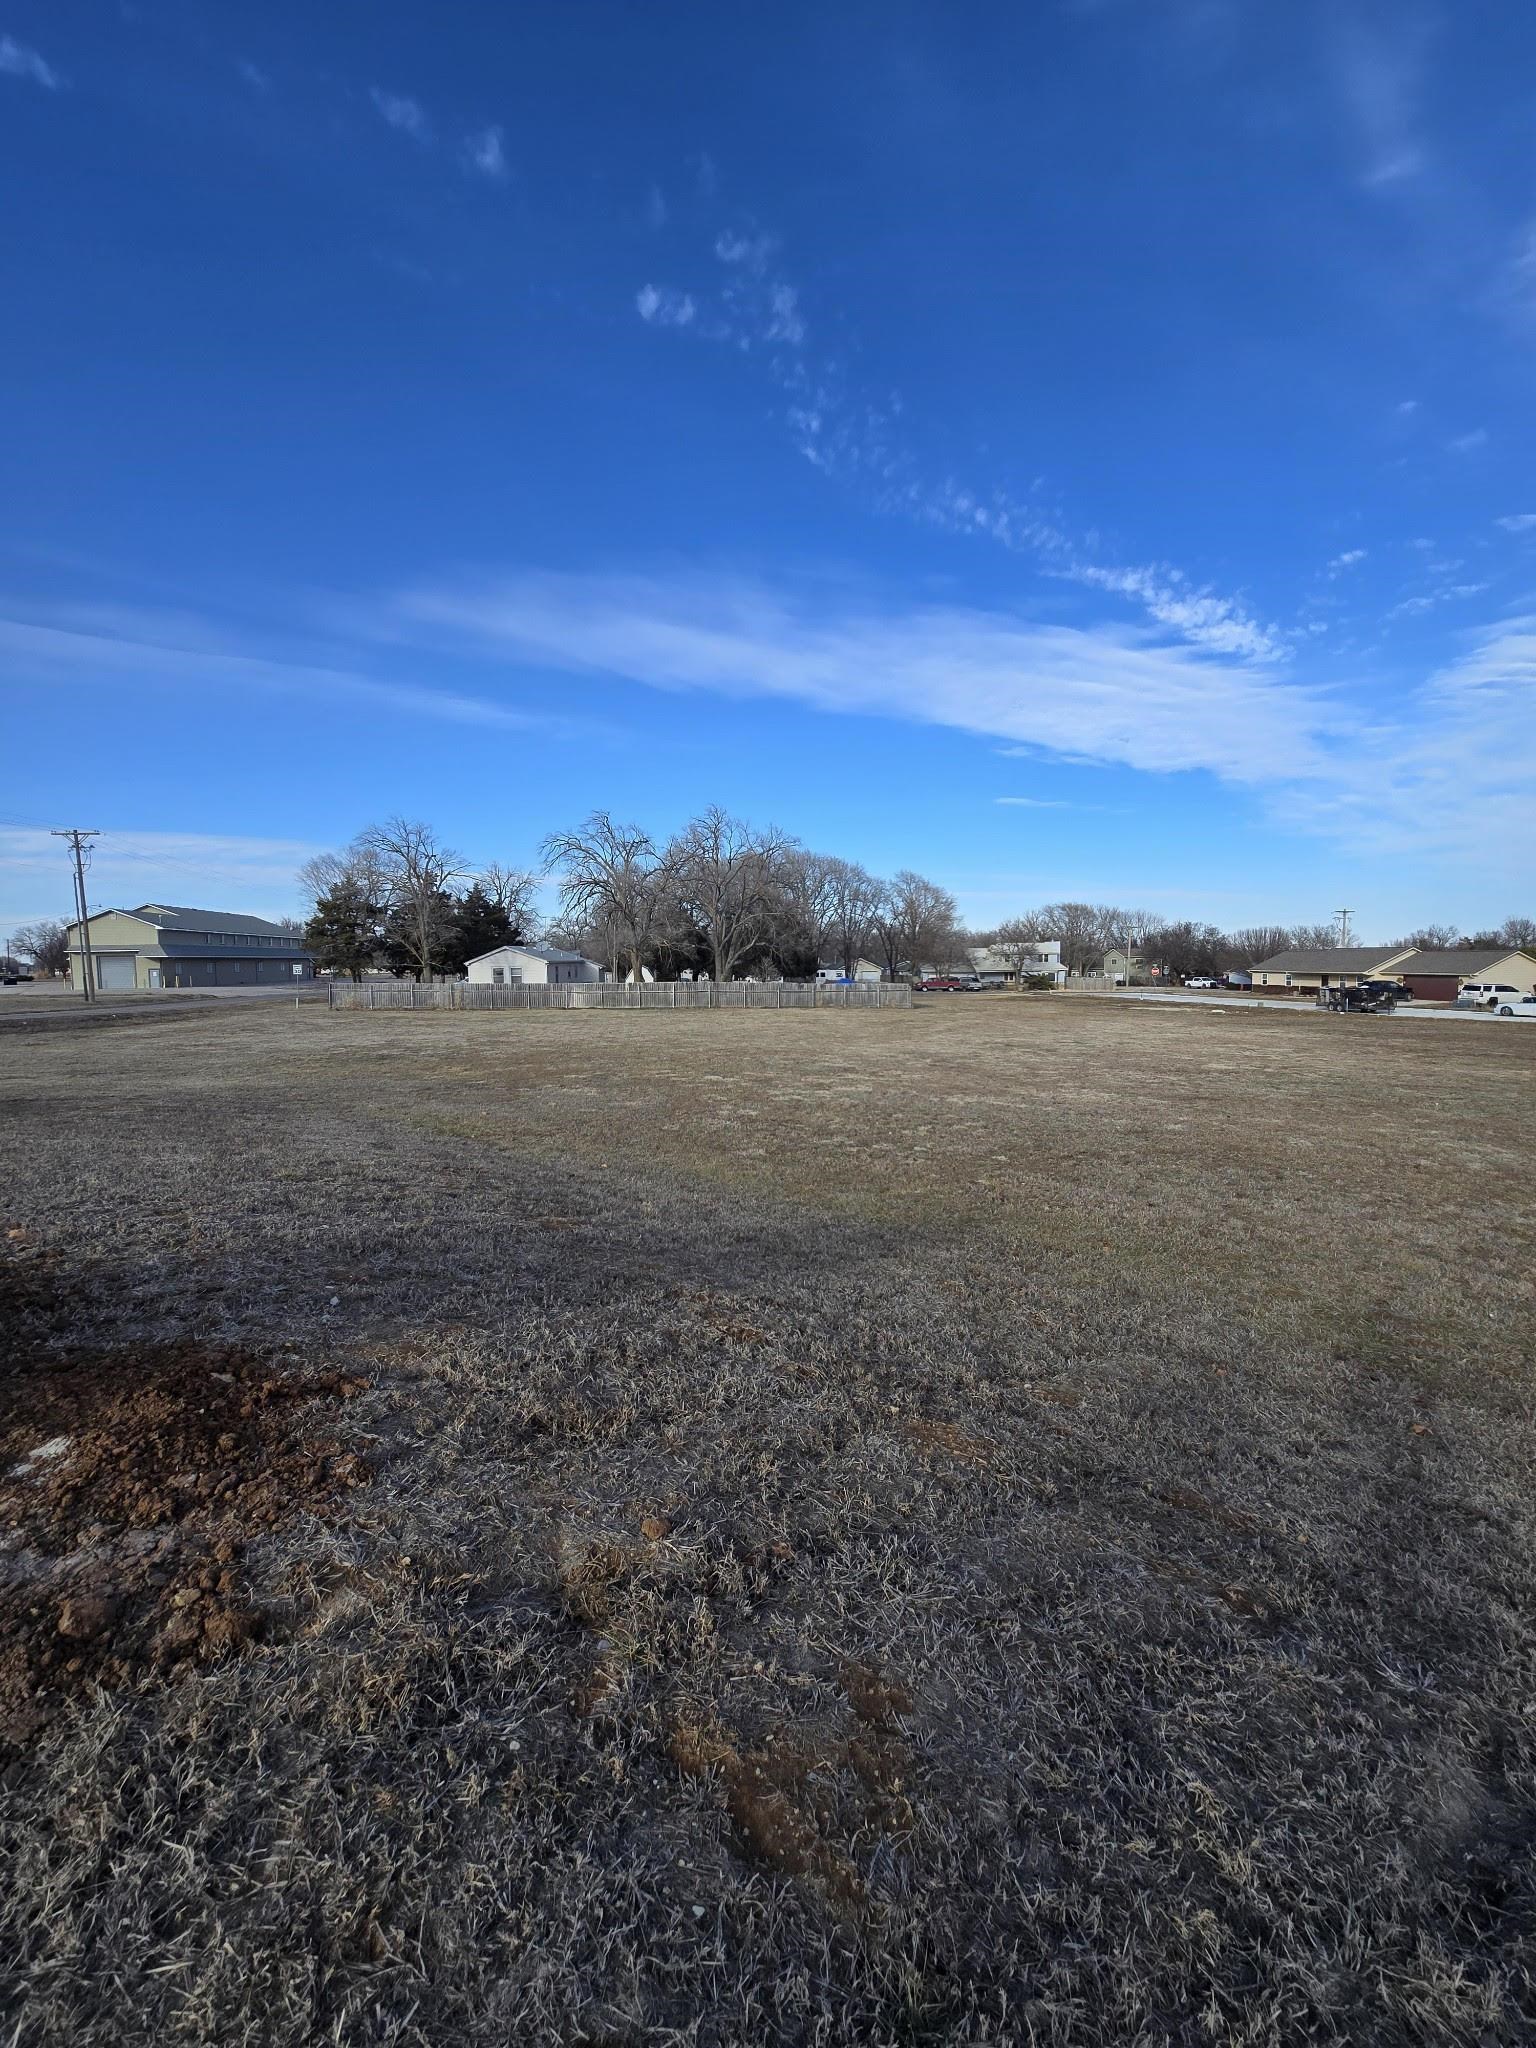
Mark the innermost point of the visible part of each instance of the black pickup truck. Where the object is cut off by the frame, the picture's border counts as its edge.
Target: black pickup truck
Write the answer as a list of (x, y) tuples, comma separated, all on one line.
[(1366, 998)]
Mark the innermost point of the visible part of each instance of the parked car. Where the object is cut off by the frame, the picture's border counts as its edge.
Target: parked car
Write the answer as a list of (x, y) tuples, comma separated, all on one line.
[(1522, 1006), (1203, 981), (940, 985), (1486, 995), (11, 980)]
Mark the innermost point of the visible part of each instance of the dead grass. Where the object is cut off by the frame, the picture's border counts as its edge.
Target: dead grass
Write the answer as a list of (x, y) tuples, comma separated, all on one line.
[(1004, 1523)]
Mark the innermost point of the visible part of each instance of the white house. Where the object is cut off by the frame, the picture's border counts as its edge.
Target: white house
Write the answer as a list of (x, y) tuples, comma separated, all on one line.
[(512, 966), (999, 965), (863, 970)]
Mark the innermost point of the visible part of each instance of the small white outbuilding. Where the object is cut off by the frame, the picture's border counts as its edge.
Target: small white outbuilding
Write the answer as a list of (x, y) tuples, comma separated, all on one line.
[(515, 966)]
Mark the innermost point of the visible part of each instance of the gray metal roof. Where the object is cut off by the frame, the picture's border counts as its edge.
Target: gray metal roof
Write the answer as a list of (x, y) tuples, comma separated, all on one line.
[(534, 952), (1330, 960), (177, 917), (1457, 960)]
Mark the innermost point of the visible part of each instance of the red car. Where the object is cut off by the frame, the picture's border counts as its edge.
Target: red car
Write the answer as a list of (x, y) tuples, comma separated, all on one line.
[(945, 985)]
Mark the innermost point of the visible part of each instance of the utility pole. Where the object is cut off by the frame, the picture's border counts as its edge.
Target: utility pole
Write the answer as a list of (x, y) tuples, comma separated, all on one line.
[(77, 839), (1343, 916)]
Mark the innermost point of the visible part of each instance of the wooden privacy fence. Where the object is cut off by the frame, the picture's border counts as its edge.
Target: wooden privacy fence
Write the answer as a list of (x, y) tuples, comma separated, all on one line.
[(609, 995)]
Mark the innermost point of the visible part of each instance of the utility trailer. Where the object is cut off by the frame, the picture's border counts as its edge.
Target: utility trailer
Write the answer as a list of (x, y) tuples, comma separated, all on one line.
[(1365, 999)]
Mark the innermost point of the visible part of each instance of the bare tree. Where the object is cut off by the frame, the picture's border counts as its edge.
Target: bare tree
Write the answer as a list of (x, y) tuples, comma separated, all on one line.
[(357, 869), (1017, 940), (1085, 931), (417, 869), (1434, 938), (825, 907), (45, 944), (726, 876), (512, 890), (916, 923), (855, 898), (610, 884), (1314, 938), (1256, 942), (1518, 933)]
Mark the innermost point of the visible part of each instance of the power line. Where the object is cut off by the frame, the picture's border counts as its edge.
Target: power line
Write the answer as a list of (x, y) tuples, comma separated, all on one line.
[(1343, 916), (77, 838)]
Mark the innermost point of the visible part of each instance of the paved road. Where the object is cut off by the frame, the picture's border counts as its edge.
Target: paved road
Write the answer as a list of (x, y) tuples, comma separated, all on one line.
[(52, 1007), (1420, 1012)]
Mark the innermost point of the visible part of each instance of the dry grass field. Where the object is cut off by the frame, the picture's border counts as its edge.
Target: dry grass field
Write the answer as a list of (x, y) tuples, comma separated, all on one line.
[(1008, 1522)]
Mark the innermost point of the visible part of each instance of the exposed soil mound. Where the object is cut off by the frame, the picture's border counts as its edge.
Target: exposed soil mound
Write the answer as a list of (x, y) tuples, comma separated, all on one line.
[(131, 1481)]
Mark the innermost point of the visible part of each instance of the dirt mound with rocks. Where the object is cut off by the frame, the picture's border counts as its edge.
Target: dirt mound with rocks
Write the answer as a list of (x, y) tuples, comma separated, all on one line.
[(132, 1481)]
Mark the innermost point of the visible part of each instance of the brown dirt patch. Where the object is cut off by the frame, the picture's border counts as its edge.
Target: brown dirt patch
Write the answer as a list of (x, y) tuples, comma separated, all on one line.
[(1189, 1501), (949, 1438), (793, 1794), (131, 1481)]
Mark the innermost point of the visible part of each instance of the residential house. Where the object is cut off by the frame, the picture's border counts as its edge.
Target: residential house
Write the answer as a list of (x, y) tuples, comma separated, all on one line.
[(1438, 976), (863, 970), (1120, 965), (515, 966), (167, 945), (1430, 976), (1312, 969), (1002, 966)]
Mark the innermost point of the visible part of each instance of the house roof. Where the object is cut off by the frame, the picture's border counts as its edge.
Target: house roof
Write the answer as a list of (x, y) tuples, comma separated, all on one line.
[(1331, 959), (177, 917), (1464, 959), (550, 953)]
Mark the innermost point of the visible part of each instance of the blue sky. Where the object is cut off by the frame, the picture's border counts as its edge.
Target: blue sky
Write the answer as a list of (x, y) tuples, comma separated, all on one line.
[(1078, 449)]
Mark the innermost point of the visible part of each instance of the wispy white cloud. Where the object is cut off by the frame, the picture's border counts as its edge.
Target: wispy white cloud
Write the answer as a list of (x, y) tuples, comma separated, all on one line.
[(254, 76), (132, 867), (88, 642), (660, 306), (1424, 601), (1199, 616), (1377, 65), (856, 438), (18, 60), (1468, 444), (1345, 561), (655, 208), (1110, 694), (401, 112), (1517, 522), (482, 153), (1459, 777), (1034, 803)]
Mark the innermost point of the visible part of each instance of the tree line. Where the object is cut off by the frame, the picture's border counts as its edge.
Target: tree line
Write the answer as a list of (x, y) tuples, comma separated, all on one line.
[(725, 898), (720, 897)]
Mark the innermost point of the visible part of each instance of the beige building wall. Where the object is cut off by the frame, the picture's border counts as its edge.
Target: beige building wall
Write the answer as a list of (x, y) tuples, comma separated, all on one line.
[(113, 932)]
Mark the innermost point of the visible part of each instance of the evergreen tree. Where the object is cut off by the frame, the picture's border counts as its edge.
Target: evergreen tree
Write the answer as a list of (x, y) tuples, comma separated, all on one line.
[(344, 933), (479, 926)]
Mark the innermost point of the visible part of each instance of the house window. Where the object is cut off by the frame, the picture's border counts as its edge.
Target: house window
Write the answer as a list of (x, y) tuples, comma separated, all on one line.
[(499, 976)]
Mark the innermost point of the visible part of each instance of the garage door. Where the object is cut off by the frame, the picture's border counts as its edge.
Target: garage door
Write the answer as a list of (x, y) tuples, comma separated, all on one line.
[(114, 970)]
